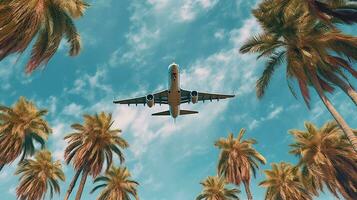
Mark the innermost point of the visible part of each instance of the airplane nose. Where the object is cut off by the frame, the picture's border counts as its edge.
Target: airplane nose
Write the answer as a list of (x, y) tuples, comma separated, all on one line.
[(173, 67)]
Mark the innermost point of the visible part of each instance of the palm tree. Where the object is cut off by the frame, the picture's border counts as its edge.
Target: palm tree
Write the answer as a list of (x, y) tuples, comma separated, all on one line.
[(215, 188), (21, 126), (237, 159), (38, 175), (116, 185), (326, 157), (49, 21), (315, 55), (90, 145), (283, 183)]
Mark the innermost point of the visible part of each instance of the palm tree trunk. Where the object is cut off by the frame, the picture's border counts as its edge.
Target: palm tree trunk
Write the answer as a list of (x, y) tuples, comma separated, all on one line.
[(73, 183), (81, 185), (344, 126), (345, 87), (247, 190)]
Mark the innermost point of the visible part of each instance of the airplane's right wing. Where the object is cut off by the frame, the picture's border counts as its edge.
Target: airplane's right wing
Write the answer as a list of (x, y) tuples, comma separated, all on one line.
[(159, 98), (186, 96)]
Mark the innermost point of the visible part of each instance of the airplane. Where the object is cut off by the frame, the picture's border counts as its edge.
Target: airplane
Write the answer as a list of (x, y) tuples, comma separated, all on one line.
[(174, 96)]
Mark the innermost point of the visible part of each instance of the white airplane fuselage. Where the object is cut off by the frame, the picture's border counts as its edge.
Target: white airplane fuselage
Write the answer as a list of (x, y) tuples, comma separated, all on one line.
[(174, 96)]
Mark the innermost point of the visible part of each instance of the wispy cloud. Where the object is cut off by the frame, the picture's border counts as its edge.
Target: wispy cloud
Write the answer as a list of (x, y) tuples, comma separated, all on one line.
[(60, 129), (189, 10), (73, 109), (12, 68), (49, 103), (274, 113), (219, 34), (147, 22), (92, 83), (12, 190)]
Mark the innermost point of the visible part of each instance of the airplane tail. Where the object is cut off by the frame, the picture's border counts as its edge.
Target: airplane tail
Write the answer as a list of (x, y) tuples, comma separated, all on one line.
[(187, 112), (182, 112)]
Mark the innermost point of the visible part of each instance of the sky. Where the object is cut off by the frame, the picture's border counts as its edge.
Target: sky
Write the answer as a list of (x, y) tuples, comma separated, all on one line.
[(127, 47)]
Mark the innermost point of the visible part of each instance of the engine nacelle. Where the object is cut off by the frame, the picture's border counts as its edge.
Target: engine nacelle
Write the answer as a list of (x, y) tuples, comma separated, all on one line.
[(194, 97), (150, 100)]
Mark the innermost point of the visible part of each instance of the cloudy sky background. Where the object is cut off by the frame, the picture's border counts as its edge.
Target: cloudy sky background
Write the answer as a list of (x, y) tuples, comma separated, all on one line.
[(127, 47)]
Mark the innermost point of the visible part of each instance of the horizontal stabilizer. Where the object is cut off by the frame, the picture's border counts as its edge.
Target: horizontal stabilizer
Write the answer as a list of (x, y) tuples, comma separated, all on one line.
[(187, 112), (162, 113)]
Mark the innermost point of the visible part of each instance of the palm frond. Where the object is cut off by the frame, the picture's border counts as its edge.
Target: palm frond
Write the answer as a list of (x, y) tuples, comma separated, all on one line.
[(264, 44), (275, 60)]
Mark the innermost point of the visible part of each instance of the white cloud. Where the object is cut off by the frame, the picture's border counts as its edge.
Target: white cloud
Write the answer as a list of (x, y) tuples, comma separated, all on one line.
[(158, 5), (114, 58), (189, 151), (147, 22), (78, 85), (88, 85), (73, 109), (320, 112), (12, 68), (138, 168), (58, 154), (276, 111), (224, 70), (189, 10), (95, 81), (60, 130), (6, 68), (139, 41), (208, 3), (186, 12), (254, 124), (50, 104), (3, 175), (219, 34), (273, 114), (238, 36), (317, 110), (155, 185), (12, 190), (88, 39)]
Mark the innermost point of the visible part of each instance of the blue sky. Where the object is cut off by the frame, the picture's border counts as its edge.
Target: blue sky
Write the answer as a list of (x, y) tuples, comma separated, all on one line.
[(127, 47)]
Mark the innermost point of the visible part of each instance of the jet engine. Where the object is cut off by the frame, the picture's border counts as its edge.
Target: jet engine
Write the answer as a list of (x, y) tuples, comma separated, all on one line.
[(194, 97), (150, 100)]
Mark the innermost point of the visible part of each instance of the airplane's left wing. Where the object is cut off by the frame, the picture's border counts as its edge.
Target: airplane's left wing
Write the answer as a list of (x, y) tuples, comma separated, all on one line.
[(202, 96), (159, 98)]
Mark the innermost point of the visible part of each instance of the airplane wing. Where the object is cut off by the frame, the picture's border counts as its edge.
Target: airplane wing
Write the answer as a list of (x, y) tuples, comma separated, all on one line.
[(186, 98), (159, 98)]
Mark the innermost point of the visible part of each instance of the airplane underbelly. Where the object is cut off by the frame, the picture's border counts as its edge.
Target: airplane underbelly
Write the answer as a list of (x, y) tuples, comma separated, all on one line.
[(175, 111), (174, 98), (174, 102)]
